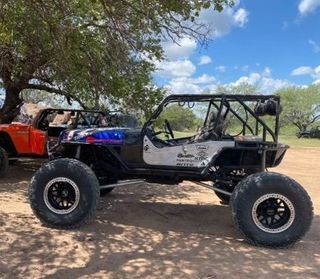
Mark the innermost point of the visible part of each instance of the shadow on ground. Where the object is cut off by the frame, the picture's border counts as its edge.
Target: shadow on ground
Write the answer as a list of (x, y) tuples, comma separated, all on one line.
[(146, 231)]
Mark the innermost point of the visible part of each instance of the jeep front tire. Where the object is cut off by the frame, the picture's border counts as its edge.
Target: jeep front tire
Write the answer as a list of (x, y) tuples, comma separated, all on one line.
[(64, 193)]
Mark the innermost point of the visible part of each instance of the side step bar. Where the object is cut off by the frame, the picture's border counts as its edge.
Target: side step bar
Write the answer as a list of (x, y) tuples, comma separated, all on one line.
[(138, 181), (211, 187), (122, 183)]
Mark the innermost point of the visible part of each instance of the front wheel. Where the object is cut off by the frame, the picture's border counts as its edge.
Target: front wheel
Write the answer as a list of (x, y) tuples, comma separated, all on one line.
[(64, 193), (271, 210)]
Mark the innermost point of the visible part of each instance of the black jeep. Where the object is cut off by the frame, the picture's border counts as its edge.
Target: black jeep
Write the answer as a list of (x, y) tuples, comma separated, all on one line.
[(223, 143), (314, 133)]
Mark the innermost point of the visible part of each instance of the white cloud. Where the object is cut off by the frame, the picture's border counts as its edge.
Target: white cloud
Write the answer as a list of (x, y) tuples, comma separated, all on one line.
[(303, 70), (263, 81), (308, 71), (266, 72), (204, 79), (177, 86), (241, 17), (221, 24), (184, 85), (315, 46), (204, 60), (218, 24), (316, 74), (270, 85), (308, 6), (182, 49), (178, 68), (221, 69)]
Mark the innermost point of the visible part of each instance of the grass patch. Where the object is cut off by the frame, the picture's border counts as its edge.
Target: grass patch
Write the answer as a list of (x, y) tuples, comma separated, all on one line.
[(295, 142)]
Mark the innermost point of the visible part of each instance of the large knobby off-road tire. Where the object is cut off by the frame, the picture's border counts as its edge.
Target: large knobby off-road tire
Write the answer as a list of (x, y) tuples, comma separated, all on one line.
[(271, 210), (4, 162), (64, 193)]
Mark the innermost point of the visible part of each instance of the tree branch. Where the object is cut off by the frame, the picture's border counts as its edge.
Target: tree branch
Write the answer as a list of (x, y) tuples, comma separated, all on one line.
[(56, 91)]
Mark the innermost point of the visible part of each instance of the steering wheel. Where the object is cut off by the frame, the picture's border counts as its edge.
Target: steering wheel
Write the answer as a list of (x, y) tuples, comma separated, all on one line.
[(168, 127)]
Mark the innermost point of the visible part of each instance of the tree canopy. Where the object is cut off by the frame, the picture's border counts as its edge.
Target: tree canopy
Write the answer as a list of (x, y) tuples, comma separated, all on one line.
[(180, 118), (301, 106), (90, 49)]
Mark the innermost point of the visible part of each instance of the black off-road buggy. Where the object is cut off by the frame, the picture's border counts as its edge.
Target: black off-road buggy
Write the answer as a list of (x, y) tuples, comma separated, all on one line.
[(314, 133), (221, 142)]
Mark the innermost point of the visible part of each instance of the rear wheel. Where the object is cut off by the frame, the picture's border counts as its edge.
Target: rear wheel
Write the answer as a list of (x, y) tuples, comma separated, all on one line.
[(64, 193), (271, 209), (4, 162)]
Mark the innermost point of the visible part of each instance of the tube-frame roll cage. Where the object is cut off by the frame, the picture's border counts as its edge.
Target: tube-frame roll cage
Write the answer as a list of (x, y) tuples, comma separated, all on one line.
[(205, 174)]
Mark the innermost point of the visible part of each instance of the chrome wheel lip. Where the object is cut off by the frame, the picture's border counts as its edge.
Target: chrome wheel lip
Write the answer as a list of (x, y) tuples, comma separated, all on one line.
[(46, 197), (284, 227)]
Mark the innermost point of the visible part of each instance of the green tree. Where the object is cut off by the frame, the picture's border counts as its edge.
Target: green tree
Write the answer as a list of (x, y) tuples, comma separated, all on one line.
[(180, 118), (301, 106), (232, 124), (90, 48), (243, 88)]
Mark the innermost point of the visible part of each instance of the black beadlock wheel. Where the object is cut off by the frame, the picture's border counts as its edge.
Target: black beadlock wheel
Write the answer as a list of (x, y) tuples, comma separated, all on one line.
[(64, 193), (271, 210), (4, 162)]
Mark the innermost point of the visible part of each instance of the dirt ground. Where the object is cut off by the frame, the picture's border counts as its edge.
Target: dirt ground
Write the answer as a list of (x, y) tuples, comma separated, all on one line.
[(152, 231)]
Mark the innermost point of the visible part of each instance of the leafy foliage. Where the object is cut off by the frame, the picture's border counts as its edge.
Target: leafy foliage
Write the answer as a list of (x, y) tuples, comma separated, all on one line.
[(90, 48), (180, 118), (243, 88), (301, 106), (232, 125)]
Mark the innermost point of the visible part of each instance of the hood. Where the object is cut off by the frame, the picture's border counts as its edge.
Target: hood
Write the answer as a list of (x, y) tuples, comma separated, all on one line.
[(14, 124), (95, 136)]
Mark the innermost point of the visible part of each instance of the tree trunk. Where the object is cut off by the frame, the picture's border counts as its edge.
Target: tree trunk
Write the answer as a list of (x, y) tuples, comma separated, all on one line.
[(11, 106)]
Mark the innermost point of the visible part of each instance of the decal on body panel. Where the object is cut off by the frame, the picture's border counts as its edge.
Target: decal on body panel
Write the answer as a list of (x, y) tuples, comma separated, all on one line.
[(187, 155)]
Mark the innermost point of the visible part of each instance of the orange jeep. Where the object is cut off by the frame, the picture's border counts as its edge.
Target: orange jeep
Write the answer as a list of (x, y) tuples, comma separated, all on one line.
[(34, 140)]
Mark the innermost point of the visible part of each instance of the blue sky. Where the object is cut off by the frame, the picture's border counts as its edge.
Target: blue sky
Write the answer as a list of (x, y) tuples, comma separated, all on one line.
[(270, 44)]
